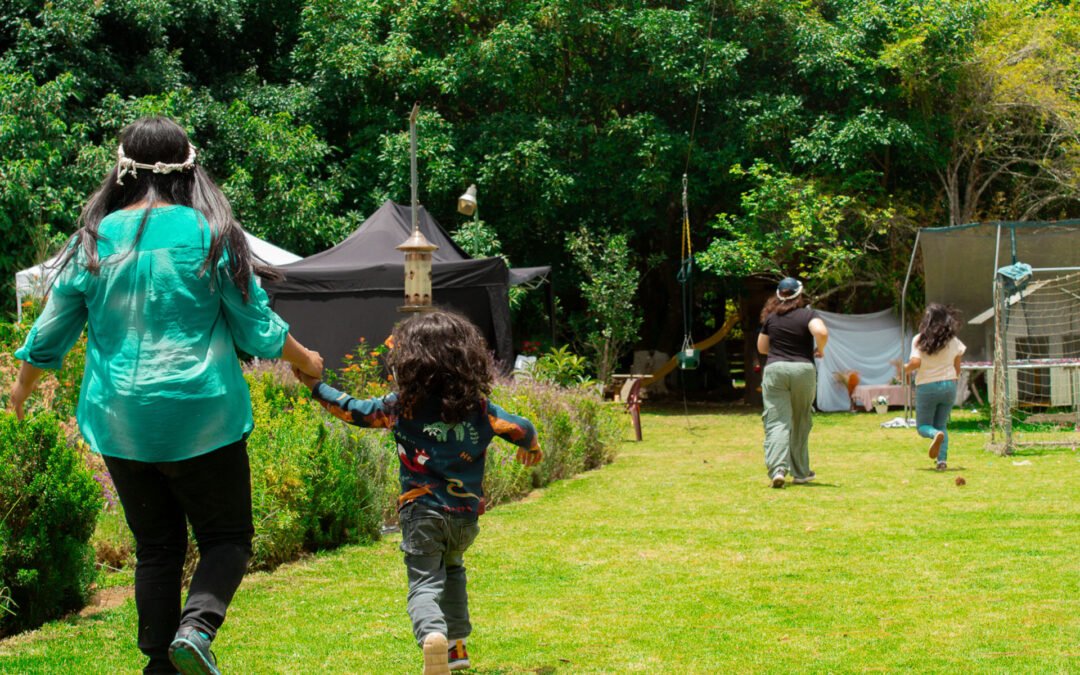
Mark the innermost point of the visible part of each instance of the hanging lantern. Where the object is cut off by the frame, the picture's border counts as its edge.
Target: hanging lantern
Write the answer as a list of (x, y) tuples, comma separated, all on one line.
[(466, 203), (418, 252)]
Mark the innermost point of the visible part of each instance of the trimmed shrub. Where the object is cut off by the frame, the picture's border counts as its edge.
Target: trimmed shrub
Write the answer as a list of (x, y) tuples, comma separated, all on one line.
[(578, 432), (49, 504)]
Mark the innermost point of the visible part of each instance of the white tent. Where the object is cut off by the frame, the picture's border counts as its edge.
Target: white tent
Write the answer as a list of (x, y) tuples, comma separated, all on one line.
[(866, 343), (34, 281)]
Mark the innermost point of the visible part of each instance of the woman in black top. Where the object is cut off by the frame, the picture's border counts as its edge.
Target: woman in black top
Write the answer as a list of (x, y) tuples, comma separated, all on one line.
[(792, 335)]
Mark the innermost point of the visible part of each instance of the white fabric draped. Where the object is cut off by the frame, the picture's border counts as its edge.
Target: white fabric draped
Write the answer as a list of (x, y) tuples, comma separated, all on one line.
[(866, 343)]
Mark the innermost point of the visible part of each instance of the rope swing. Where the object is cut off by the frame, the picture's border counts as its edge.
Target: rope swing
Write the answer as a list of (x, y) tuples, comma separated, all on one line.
[(689, 358)]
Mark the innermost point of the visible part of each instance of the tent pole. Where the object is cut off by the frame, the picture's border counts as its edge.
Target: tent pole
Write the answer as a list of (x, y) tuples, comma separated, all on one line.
[(412, 164), (903, 326)]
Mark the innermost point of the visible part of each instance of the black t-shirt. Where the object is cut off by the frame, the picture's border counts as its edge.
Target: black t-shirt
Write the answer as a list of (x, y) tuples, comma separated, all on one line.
[(789, 334)]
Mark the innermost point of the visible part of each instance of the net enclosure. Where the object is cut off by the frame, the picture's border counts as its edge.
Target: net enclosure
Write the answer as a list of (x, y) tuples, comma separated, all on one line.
[(1017, 285)]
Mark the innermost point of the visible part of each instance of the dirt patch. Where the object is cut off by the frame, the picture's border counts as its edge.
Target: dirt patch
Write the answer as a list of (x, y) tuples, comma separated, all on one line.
[(106, 599)]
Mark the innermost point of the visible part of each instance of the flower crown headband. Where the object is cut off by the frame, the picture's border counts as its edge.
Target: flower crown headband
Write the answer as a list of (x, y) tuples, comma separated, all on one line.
[(126, 165)]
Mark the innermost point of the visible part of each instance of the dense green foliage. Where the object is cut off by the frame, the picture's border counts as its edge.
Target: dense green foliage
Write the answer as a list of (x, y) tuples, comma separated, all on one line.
[(48, 506), (816, 135)]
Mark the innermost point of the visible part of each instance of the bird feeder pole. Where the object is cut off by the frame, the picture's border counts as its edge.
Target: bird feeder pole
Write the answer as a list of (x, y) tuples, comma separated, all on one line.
[(417, 249)]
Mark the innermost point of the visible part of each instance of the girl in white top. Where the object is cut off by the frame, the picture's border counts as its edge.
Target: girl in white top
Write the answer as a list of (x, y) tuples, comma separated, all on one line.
[(936, 354)]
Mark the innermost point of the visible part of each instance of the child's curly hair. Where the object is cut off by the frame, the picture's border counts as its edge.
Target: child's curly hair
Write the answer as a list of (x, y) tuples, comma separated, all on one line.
[(441, 355)]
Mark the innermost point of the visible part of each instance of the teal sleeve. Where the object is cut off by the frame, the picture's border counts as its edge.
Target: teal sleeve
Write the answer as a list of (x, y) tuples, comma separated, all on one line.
[(513, 428), (256, 329), (371, 412), (61, 323)]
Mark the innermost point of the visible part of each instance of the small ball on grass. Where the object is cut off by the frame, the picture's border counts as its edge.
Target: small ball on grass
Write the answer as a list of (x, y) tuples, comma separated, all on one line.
[(960, 480)]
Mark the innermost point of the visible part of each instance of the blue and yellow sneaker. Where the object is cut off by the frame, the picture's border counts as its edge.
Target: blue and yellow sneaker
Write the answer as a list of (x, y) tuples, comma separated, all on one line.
[(190, 652), (459, 658)]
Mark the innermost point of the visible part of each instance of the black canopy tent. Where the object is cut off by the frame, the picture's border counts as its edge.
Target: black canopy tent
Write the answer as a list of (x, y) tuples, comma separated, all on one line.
[(353, 290)]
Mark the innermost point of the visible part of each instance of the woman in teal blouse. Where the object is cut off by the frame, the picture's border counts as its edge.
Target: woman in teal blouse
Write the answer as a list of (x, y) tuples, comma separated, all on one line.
[(161, 274)]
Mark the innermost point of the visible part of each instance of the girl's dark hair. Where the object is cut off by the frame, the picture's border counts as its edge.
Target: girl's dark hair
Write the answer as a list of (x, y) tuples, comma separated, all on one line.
[(775, 305), (441, 356), (939, 325), (159, 139)]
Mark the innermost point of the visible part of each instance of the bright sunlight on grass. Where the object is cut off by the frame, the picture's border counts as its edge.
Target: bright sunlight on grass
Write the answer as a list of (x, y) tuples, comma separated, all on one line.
[(679, 559)]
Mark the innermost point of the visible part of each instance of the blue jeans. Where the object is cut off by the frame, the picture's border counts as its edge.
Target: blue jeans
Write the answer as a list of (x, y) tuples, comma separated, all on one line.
[(933, 406)]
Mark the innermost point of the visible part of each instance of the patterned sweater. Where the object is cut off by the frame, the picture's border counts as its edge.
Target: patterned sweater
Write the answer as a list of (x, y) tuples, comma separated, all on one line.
[(441, 465)]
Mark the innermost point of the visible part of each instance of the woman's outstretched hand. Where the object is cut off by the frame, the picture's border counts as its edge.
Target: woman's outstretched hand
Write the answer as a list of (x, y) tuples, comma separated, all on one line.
[(19, 394), (24, 386)]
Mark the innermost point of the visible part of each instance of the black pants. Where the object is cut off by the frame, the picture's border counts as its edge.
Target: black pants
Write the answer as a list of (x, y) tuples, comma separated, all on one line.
[(213, 491)]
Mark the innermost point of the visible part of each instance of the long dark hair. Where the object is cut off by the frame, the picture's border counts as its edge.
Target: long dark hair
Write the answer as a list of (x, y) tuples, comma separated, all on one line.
[(939, 325), (440, 356), (159, 139), (776, 305)]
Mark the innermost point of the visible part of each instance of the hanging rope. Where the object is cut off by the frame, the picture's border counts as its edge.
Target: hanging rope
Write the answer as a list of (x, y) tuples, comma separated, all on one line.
[(686, 265), (688, 356), (697, 102), (686, 271)]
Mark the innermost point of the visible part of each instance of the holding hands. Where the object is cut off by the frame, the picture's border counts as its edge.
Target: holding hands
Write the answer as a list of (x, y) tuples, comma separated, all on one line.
[(307, 365), (306, 379)]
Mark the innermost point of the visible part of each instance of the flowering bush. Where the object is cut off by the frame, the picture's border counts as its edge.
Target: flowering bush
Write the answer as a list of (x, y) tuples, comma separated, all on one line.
[(363, 374), (530, 347), (577, 432), (316, 483)]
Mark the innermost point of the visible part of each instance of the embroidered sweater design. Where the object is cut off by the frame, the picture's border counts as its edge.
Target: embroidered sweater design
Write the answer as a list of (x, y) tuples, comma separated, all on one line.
[(440, 465)]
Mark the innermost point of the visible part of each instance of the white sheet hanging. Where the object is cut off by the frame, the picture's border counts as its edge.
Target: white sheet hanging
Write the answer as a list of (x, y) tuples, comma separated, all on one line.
[(866, 343)]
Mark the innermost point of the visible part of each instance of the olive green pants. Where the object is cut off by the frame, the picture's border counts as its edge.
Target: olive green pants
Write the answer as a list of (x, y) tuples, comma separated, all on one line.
[(788, 391)]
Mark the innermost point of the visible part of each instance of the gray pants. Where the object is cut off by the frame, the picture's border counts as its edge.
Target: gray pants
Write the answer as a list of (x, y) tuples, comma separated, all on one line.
[(788, 391), (434, 544)]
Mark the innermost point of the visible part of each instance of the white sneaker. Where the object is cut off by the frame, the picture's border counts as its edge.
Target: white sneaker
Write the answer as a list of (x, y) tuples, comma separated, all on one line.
[(778, 479), (802, 481), (436, 654)]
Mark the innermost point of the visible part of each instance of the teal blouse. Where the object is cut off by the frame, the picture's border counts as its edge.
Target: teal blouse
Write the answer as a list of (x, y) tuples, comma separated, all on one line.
[(162, 380)]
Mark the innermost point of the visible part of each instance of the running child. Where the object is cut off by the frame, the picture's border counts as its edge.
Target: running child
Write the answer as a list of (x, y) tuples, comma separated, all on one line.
[(443, 423), (936, 354)]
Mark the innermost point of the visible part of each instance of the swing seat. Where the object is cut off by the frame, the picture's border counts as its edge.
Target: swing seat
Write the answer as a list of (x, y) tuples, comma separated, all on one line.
[(689, 359)]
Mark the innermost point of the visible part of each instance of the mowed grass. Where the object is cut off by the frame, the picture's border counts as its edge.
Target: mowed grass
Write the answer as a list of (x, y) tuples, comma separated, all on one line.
[(679, 559)]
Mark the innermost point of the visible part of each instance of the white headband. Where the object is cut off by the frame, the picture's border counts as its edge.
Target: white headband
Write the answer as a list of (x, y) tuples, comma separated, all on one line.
[(794, 295), (126, 165)]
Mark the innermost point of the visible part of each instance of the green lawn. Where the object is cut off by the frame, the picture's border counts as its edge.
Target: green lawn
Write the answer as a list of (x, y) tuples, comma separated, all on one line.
[(679, 559)]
